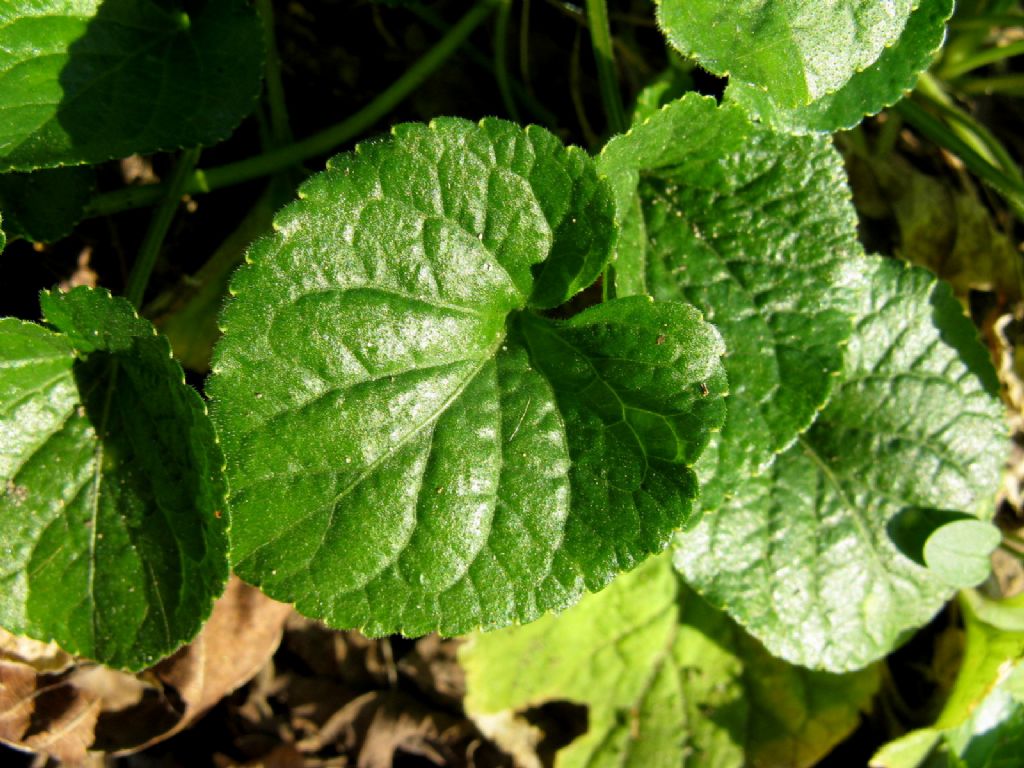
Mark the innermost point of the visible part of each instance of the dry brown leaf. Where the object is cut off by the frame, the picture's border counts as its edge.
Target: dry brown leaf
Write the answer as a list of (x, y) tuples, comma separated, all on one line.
[(43, 657), (66, 711), (242, 634), (42, 712), (938, 223), (434, 667)]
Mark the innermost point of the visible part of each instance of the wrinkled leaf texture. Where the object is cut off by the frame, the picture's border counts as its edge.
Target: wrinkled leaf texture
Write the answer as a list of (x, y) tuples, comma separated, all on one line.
[(411, 445), (804, 556), (757, 231), (868, 91), (112, 509)]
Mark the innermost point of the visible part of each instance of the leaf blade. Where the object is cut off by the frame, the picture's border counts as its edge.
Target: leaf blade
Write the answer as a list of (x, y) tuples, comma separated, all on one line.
[(419, 440), (117, 550), (804, 557), (78, 79), (803, 51)]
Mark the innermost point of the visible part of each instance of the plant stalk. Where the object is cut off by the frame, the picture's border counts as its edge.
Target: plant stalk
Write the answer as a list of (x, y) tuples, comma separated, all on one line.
[(150, 248), (601, 40), (280, 130), (981, 59), (970, 130), (501, 59)]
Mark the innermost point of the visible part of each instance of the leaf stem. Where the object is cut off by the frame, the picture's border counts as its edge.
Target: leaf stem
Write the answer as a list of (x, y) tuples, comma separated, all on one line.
[(501, 58), (520, 90), (1011, 85), (317, 144), (601, 40), (969, 129), (981, 59), (150, 248), (280, 130)]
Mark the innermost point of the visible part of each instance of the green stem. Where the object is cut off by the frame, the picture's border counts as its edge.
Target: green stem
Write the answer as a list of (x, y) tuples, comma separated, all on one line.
[(601, 40), (317, 144), (969, 129), (934, 129), (519, 89), (501, 59), (150, 248), (981, 59), (279, 128), (1011, 85)]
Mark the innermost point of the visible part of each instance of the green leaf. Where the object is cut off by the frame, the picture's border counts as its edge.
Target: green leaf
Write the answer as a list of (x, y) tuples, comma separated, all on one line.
[(797, 51), (666, 679), (869, 91), (982, 722), (111, 509), (44, 206), (687, 138), (82, 81), (409, 446), (958, 553), (803, 557), (756, 231)]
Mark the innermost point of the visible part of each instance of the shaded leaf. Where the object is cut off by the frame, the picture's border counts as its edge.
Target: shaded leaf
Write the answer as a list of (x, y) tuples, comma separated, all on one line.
[(934, 224), (84, 81), (795, 50), (666, 679), (803, 557), (411, 448), (112, 506), (44, 206)]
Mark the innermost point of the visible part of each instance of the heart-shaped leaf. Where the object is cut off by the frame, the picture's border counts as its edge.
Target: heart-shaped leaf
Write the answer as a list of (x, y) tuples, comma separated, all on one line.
[(112, 509), (410, 446), (958, 553), (803, 556), (83, 81)]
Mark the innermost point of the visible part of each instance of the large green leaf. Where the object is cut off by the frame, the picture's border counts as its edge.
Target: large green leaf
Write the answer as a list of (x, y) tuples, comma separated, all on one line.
[(410, 447), (83, 81), (870, 90), (798, 51), (667, 680), (805, 556), (756, 231), (982, 723), (111, 512)]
